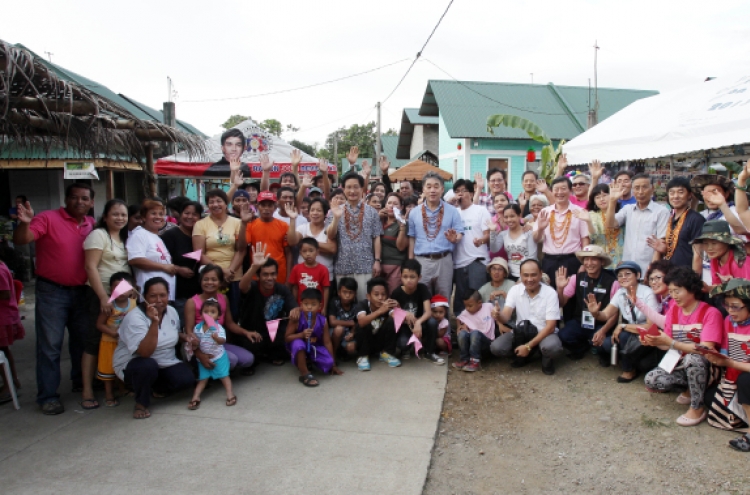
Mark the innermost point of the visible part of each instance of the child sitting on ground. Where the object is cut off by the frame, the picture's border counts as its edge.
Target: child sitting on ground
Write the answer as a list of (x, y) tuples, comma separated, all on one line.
[(341, 315), (374, 331), (307, 337), (309, 274), (109, 325), (439, 305), (211, 337), (476, 330)]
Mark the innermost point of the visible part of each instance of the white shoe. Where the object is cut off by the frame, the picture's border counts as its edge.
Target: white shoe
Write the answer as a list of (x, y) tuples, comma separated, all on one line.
[(435, 359)]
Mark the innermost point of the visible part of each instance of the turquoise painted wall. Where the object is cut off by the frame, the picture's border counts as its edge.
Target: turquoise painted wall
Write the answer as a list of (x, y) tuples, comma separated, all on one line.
[(447, 145)]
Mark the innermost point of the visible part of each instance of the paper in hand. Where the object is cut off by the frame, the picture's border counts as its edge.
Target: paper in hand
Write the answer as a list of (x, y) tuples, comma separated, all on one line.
[(399, 218)]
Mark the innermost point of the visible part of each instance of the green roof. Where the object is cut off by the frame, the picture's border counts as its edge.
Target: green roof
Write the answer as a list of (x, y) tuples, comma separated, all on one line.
[(413, 115), (139, 110), (562, 111), (389, 146)]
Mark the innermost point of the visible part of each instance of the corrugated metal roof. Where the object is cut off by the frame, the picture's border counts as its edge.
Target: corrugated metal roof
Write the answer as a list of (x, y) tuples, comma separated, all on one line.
[(389, 146), (139, 110), (560, 110), (413, 115)]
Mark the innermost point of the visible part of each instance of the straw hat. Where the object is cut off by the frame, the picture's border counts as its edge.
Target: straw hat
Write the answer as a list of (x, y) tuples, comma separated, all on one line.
[(498, 262), (594, 251)]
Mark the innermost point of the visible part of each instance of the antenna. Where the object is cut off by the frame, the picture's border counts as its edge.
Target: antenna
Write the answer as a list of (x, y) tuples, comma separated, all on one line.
[(49, 56), (532, 78)]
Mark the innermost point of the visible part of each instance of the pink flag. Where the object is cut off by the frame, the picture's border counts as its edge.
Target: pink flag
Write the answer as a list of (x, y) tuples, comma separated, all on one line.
[(273, 328), (417, 344), (195, 255), (120, 289), (210, 322), (398, 317)]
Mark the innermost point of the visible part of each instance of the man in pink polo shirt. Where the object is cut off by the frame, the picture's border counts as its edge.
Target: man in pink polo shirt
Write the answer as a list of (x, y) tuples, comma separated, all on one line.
[(562, 232), (60, 287)]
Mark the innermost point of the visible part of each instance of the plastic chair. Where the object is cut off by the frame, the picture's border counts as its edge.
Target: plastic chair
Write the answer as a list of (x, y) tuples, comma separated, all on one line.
[(9, 378)]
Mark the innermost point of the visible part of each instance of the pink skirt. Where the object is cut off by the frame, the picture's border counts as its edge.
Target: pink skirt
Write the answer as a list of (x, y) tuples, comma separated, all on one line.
[(11, 333)]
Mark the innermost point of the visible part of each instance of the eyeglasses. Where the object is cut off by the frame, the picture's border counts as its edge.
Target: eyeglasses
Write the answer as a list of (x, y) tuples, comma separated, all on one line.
[(656, 278), (733, 307)]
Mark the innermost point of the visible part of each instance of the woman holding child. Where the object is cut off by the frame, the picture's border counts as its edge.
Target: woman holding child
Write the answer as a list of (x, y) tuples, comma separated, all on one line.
[(316, 229)]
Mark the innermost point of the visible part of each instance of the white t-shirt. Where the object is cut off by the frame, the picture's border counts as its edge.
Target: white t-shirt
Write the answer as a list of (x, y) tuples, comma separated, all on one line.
[(539, 309), (325, 260), (144, 244), (519, 249), (621, 302), (300, 219), (134, 328), (475, 219)]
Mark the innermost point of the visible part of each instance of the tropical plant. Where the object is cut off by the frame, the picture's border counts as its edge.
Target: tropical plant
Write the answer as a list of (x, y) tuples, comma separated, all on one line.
[(550, 152)]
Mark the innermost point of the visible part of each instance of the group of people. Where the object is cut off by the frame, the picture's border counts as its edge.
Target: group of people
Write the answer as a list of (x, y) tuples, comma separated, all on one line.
[(167, 295)]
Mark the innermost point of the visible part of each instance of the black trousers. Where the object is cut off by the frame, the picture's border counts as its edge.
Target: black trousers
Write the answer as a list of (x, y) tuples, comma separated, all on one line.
[(550, 264), (145, 376), (266, 349), (429, 335), (370, 343)]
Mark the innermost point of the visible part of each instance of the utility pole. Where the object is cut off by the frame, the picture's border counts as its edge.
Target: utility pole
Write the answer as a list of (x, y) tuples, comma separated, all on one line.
[(336, 151), (593, 117), (376, 165)]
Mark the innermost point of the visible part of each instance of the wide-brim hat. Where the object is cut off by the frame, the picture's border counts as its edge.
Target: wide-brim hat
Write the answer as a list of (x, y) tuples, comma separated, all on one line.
[(499, 262), (594, 251), (737, 287), (718, 230), (698, 182)]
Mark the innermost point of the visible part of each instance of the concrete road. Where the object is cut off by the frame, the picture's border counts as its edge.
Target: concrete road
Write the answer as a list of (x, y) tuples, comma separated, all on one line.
[(358, 433)]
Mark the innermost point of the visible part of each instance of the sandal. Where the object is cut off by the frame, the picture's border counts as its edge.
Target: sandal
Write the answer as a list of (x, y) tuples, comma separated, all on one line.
[(231, 401), (741, 443), (308, 379), (194, 404), (158, 395), (93, 404), (140, 412), (278, 362), (112, 402)]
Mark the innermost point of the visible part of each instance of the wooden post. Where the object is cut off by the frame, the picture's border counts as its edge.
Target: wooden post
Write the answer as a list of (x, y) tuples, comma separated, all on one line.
[(110, 184), (150, 185)]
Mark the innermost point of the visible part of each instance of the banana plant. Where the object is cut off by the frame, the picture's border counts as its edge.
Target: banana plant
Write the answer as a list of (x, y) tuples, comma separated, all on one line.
[(550, 152)]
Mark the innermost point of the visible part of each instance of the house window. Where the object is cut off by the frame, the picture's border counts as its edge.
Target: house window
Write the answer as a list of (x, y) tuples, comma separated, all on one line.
[(501, 163)]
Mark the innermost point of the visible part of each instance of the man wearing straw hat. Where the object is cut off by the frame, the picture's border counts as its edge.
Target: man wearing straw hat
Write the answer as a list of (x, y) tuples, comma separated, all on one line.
[(582, 328)]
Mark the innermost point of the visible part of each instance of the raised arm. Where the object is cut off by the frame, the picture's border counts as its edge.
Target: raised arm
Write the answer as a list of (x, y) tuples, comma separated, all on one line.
[(266, 165), (385, 166), (235, 177), (259, 258), (292, 236), (22, 234), (323, 167), (478, 187)]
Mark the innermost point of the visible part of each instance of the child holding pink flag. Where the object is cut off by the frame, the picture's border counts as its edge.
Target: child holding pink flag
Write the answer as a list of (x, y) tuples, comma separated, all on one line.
[(123, 301), (212, 336), (307, 337)]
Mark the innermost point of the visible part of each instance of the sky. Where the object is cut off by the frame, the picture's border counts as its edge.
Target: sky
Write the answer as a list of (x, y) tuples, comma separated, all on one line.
[(229, 49)]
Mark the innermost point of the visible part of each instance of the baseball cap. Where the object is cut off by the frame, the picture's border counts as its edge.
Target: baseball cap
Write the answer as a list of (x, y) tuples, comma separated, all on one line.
[(315, 190), (266, 196)]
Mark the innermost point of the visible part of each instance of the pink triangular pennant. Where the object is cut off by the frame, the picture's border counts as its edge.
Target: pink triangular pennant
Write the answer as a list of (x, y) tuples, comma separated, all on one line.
[(210, 322), (195, 255), (398, 317), (273, 328), (120, 289), (417, 344)]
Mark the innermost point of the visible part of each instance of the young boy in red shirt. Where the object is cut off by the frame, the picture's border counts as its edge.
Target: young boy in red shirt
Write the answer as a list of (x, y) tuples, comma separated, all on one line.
[(310, 274)]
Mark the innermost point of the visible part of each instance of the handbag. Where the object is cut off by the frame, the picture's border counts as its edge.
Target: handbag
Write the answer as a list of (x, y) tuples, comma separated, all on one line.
[(524, 332)]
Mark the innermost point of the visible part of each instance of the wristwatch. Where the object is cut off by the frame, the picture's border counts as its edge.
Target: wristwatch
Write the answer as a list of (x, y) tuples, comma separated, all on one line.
[(622, 326), (377, 259), (528, 347)]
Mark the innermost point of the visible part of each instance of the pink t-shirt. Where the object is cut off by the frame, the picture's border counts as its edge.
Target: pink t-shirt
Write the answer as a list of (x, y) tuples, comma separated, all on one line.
[(481, 320), (199, 304), (730, 268), (577, 231), (570, 289), (708, 316), (59, 246), (581, 203), (8, 307)]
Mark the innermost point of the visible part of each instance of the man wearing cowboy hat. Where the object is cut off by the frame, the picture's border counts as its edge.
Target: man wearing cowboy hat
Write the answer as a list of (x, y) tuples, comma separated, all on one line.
[(716, 190), (725, 252), (582, 328)]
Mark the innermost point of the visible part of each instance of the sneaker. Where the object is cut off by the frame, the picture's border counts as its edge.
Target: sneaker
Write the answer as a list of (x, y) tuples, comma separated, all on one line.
[(473, 366), (548, 366), (53, 408), (435, 359), (392, 361), (459, 365), (363, 364)]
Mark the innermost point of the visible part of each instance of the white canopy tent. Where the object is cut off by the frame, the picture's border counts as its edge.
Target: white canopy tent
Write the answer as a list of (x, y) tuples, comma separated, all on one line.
[(709, 121)]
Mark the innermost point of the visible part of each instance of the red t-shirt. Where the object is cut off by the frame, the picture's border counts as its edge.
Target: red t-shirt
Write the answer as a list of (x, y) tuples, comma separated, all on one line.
[(309, 278), (59, 246)]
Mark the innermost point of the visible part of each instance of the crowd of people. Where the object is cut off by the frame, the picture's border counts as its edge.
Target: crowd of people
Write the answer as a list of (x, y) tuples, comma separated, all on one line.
[(165, 296)]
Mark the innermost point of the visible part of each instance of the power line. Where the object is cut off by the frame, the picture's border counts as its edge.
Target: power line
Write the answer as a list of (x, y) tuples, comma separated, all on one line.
[(419, 53), (498, 101), (360, 112), (298, 88)]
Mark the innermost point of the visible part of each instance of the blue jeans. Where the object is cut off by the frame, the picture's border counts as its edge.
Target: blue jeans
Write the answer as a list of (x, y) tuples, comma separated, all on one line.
[(472, 344), (57, 308)]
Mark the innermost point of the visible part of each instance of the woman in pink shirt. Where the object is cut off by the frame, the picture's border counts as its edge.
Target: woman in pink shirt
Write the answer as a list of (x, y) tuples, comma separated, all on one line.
[(726, 252), (689, 322)]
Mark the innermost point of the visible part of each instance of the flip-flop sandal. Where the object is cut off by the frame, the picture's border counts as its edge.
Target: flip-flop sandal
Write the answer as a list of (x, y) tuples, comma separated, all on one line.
[(741, 443), (89, 401), (307, 379), (231, 401), (142, 411), (112, 402), (278, 362), (194, 404), (158, 395)]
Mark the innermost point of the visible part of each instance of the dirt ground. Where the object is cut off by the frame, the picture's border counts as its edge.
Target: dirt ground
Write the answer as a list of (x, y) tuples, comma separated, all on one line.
[(506, 430)]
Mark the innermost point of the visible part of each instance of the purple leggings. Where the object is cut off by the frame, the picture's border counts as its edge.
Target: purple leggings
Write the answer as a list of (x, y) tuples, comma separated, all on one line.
[(318, 354), (239, 356)]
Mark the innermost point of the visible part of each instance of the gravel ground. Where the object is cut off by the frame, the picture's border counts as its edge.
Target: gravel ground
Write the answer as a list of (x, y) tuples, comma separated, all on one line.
[(506, 430)]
